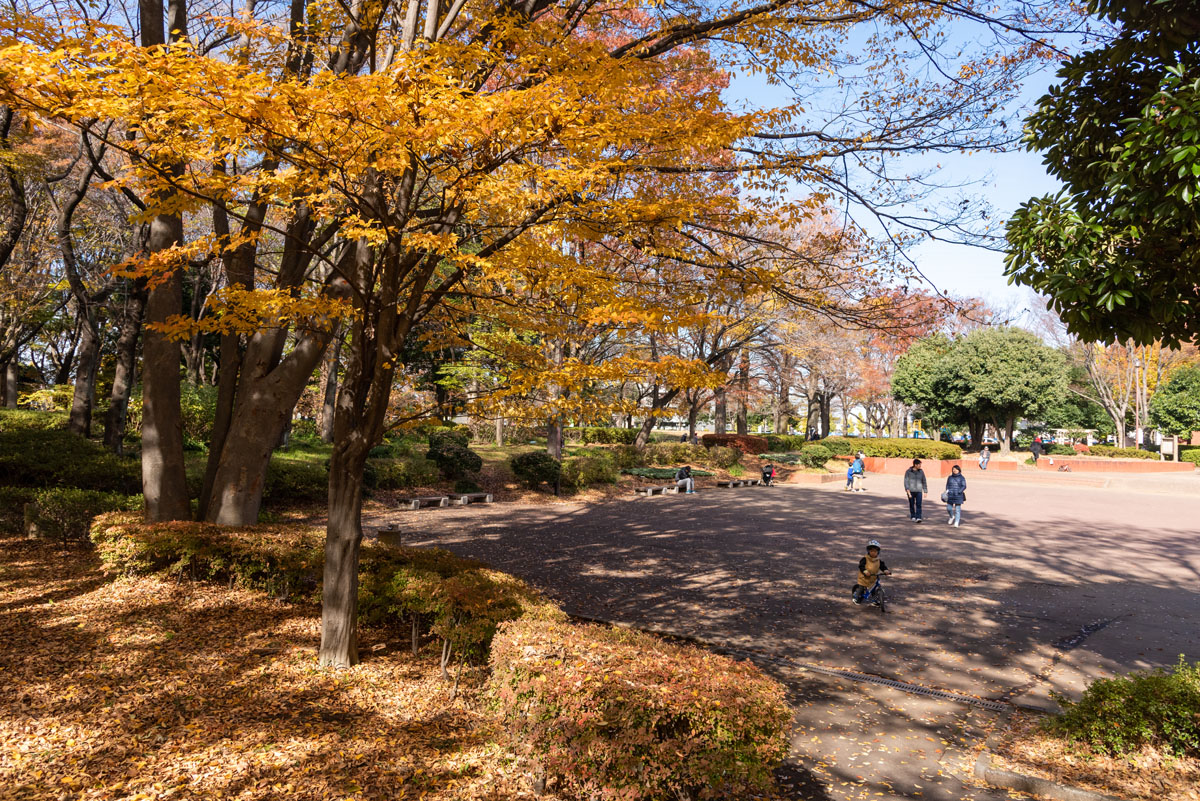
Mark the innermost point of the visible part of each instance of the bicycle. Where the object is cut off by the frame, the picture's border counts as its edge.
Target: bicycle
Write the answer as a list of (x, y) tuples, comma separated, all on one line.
[(875, 596)]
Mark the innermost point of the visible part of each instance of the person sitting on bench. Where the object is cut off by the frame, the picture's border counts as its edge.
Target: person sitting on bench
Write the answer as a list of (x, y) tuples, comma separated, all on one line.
[(684, 480)]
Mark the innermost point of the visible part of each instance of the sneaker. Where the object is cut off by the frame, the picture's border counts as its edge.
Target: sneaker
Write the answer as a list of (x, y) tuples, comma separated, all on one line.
[(691, 492), (919, 519), (950, 520), (956, 524), (913, 519)]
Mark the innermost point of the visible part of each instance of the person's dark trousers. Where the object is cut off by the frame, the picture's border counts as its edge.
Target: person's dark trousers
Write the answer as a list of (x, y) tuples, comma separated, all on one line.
[(914, 505)]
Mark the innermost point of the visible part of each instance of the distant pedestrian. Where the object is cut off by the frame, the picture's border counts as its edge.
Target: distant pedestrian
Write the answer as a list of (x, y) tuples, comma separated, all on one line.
[(916, 486), (683, 437), (858, 470), (985, 456), (1036, 449), (955, 495), (695, 440), (684, 480)]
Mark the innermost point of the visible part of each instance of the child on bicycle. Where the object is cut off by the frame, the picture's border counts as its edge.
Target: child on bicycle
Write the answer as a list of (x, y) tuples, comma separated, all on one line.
[(870, 567)]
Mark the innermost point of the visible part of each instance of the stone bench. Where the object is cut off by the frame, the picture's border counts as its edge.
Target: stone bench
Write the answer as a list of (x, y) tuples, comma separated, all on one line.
[(417, 503), (464, 498), (669, 489), (741, 482)]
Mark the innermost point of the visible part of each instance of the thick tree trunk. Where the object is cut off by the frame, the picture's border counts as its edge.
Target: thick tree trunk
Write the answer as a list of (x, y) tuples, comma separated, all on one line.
[(329, 396), (554, 431), (743, 379), (825, 403), (80, 419), (499, 432), (719, 411), (1004, 430), (11, 390), (343, 536), (693, 413), (164, 482), (118, 404)]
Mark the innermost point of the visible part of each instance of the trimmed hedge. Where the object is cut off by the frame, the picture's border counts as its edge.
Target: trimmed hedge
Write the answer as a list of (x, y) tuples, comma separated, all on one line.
[(893, 448), (782, 458), (616, 714), (661, 473), (1112, 452), (1122, 714), (784, 443), (458, 600), (48, 457), (746, 443), (1190, 455)]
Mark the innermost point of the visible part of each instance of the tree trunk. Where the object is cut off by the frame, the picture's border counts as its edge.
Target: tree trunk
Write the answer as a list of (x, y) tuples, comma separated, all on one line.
[(719, 412), (343, 536), (499, 432), (118, 404), (80, 420), (329, 396), (1005, 432), (11, 391), (164, 483), (554, 432), (743, 413), (693, 413), (825, 404)]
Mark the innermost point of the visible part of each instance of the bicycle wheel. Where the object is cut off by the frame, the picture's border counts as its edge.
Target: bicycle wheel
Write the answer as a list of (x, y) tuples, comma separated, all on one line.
[(882, 602)]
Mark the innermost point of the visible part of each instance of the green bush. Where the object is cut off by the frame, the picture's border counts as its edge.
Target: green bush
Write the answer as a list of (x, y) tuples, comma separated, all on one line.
[(1054, 449), (466, 486), (453, 459), (1190, 455), (12, 508), (31, 420), (661, 473), (46, 458), (1111, 452), (814, 455), (745, 443), (783, 443), (66, 514), (457, 599), (459, 435), (722, 457), (579, 472), (297, 481), (625, 456), (893, 448), (535, 467), (609, 436), (400, 473), (840, 446), (783, 458), (617, 714), (1120, 715)]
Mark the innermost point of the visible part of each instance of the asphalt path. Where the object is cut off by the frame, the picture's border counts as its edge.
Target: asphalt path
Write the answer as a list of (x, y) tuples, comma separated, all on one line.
[(1045, 585)]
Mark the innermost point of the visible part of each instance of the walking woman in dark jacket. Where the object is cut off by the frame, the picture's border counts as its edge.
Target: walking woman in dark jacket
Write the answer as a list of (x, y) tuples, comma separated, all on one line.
[(955, 495)]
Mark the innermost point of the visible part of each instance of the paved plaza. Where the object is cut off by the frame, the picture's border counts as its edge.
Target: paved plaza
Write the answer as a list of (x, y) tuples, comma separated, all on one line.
[(1049, 582)]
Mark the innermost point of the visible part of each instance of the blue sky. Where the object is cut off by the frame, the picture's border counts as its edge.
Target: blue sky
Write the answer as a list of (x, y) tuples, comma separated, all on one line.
[(1005, 179)]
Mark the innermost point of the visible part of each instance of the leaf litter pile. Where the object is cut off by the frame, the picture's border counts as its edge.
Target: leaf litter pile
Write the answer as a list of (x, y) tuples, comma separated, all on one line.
[(147, 689), (1148, 774)]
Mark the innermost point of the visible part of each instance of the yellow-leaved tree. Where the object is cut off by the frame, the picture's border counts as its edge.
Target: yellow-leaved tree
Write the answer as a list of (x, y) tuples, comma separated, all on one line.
[(371, 164)]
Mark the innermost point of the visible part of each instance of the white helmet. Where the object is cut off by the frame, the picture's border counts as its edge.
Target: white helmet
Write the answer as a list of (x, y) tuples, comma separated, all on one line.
[(874, 544)]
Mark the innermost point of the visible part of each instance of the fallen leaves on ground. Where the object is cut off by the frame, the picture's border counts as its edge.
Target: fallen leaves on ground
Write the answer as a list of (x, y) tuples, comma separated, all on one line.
[(1149, 774), (145, 689)]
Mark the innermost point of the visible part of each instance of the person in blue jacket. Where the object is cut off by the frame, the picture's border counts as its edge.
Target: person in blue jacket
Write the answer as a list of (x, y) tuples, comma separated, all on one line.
[(955, 495)]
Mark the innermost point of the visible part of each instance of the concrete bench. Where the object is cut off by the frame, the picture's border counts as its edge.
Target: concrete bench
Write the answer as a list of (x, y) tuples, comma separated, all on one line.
[(730, 484), (417, 503), (669, 489), (464, 498)]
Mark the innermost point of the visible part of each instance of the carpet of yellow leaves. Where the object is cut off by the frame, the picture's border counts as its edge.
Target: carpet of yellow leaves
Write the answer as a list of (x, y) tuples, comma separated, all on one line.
[(144, 689), (1146, 776)]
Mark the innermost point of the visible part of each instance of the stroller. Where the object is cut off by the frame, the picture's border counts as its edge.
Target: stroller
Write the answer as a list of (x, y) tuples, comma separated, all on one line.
[(768, 475)]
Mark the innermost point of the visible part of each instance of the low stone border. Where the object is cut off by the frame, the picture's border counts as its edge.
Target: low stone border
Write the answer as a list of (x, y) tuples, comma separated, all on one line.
[(1045, 788)]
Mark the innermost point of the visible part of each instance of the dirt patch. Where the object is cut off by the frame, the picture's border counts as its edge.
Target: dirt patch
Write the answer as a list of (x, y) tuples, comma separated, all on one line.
[(1148, 775)]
